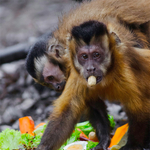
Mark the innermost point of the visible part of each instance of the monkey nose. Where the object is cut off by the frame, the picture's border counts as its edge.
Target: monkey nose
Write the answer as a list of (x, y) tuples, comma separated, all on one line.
[(58, 87), (91, 69)]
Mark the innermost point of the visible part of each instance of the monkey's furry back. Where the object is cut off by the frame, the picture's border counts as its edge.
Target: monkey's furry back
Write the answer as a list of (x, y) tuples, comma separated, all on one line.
[(110, 12)]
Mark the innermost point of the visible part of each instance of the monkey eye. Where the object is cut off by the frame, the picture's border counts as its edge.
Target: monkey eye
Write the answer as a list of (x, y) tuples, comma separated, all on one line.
[(50, 78), (96, 55), (84, 56)]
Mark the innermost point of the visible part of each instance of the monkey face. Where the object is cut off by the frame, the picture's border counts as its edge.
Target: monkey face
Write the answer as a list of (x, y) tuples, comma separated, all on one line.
[(45, 63), (90, 49), (91, 57), (53, 77)]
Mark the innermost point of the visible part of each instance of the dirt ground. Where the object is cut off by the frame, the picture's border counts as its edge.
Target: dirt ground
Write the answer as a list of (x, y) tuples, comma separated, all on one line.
[(24, 19)]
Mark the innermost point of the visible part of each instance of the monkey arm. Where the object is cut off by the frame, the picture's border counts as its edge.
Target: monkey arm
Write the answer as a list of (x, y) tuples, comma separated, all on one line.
[(99, 119), (58, 130), (67, 110)]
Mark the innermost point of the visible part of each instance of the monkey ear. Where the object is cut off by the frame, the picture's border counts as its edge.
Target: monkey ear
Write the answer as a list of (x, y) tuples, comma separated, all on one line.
[(57, 50), (115, 36)]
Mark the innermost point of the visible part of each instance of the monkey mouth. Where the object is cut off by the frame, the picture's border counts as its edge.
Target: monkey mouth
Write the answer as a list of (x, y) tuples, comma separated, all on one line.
[(98, 79)]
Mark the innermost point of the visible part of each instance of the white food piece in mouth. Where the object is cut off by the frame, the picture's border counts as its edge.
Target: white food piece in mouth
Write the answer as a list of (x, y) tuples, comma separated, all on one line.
[(92, 81)]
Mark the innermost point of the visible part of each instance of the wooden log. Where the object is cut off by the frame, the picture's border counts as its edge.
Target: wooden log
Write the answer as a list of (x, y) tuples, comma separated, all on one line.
[(15, 52)]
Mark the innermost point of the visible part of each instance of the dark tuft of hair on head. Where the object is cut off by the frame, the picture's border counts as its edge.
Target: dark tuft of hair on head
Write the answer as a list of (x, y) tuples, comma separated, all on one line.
[(89, 29)]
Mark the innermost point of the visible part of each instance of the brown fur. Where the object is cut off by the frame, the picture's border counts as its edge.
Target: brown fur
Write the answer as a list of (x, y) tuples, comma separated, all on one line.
[(127, 12)]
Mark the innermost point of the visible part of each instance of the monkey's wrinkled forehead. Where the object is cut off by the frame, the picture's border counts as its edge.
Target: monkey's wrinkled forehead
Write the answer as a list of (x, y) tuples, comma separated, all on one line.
[(89, 29)]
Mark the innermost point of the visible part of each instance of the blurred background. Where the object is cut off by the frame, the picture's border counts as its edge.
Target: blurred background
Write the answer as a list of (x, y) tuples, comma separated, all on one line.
[(22, 22)]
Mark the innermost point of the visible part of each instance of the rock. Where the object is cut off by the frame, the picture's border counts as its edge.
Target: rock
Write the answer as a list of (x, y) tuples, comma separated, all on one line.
[(48, 110), (11, 114), (16, 125), (29, 80), (12, 88), (39, 111), (11, 68), (3, 127), (21, 81), (4, 104), (31, 93), (46, 93), (53, 93), (26, 104)]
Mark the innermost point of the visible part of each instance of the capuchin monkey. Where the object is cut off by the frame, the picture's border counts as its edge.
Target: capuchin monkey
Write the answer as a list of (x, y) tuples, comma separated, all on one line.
[(104, 43), (47, 63)]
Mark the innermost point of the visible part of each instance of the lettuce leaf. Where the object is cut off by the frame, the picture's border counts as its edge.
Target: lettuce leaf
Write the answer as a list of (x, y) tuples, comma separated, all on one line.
[(30, 141), (10, 139), (85, 126), (112, 122), (90, 145)]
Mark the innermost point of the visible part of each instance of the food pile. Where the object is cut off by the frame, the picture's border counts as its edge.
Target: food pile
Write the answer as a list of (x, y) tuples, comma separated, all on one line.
[(82, 138)]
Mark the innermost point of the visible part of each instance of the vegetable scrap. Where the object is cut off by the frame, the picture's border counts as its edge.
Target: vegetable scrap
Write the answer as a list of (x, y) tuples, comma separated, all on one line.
[(26, 125), (120, 138), (11, 139), (93, 137), (83, 136), (39, 125)]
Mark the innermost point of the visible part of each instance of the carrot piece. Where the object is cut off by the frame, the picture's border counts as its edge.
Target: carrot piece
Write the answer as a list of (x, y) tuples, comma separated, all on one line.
[(120, 132), (40, 124), (82, 134), (26, 125)]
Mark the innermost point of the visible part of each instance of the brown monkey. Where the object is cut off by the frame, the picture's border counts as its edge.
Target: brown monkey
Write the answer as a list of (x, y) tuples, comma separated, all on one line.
[(121, 72), (48, 64)]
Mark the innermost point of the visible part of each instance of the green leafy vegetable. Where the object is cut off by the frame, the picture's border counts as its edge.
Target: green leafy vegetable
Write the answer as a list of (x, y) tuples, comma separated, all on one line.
[(10, 139), (112, 122), (40, 130), (29, 141), (85, 126), (90, 145)]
